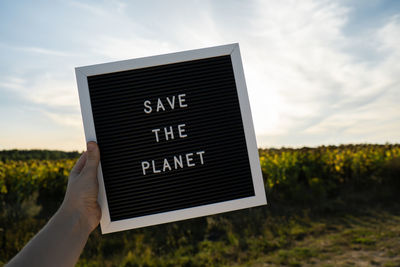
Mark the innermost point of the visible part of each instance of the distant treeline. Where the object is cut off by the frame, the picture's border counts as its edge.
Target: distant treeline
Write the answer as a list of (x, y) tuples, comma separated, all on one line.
[(15, 154)]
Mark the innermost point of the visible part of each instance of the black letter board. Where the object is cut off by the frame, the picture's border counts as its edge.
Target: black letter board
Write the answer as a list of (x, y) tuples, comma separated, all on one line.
[(175, 134)]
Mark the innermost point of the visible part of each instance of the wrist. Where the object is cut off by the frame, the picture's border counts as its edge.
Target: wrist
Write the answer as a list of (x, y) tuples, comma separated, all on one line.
[(73, 219)]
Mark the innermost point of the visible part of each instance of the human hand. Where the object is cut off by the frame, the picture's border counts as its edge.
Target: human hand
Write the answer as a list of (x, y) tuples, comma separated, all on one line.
[(81, 196), (61, 241)]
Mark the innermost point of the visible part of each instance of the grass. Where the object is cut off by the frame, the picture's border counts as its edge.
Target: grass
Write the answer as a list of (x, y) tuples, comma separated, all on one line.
[(368, 239), (323, 211)]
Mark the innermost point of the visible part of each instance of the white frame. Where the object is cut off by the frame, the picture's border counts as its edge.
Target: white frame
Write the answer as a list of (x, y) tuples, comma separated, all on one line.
[(108, 226)]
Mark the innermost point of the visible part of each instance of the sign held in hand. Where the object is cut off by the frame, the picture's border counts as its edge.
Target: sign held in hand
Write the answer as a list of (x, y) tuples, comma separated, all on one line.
[(175, 134)]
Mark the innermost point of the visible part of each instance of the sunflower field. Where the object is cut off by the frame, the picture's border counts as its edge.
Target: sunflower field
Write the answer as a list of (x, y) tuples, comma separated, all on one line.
[(327, 179)]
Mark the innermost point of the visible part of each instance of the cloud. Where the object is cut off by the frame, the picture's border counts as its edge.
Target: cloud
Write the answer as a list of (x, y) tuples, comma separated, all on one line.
[(102, 9), (36, 50), (302, 55), (42, 51), (12, 83), (125, 48), (65, 119), (310, 81), (55, 97), (47, 90)]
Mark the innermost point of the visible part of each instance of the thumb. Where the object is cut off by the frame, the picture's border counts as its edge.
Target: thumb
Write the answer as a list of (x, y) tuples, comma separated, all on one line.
[(93, 158)]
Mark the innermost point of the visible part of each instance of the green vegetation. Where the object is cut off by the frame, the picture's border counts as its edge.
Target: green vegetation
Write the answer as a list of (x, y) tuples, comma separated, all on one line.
[(328, 206), (36, 154)]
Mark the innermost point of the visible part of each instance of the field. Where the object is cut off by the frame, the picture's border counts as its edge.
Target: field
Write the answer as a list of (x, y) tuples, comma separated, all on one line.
[(328, 206)]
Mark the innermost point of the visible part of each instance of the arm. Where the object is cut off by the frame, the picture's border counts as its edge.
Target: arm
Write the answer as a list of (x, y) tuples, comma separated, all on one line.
[(62, 240)]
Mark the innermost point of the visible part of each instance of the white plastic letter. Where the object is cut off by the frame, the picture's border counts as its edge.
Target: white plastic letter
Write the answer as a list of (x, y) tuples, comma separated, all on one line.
[(171, 104), (200, 153), (145, 166), (181, 130), (170, 132), (189, 159), (176, 162), (166, 165), (181, 100), (160, 105), (155, 131), (147, 107), (154, 167)]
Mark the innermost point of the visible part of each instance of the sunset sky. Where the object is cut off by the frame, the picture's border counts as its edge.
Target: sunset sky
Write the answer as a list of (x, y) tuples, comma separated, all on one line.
[(317, 72)]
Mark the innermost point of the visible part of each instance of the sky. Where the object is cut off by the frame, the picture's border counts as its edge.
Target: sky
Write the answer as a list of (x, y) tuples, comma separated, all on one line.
[(318, 72)]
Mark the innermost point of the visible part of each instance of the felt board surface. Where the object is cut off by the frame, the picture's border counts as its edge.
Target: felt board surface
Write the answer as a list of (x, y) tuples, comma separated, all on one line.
[(213, 124)]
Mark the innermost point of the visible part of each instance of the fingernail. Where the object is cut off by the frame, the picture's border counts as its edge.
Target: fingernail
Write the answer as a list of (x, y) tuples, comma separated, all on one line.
[(91, 146)]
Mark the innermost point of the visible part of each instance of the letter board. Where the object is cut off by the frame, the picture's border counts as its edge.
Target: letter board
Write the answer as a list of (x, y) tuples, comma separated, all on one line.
[(175, 134)]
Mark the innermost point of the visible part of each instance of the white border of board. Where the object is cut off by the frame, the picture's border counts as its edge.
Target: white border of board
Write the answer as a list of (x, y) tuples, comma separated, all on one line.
[(108, 226)]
